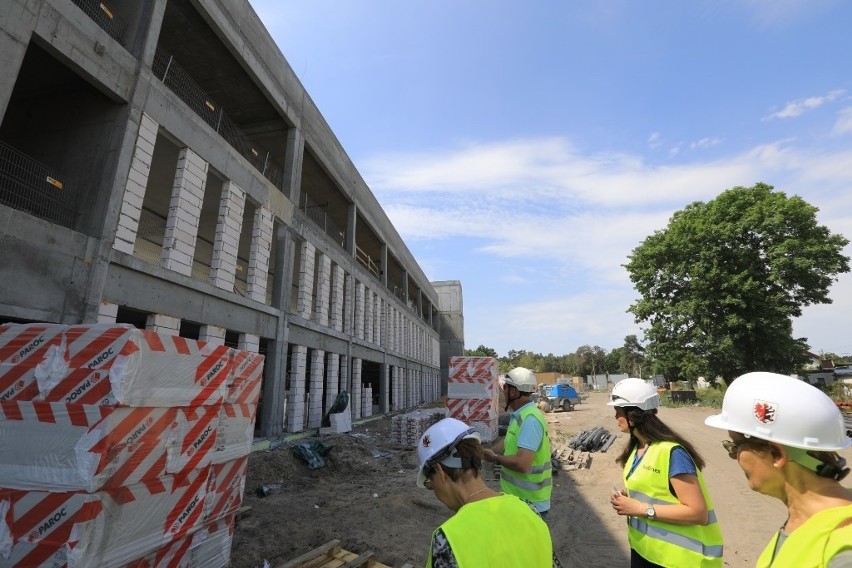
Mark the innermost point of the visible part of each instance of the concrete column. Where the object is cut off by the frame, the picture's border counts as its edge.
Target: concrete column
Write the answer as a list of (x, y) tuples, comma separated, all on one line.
[(261, 250), (355, 395), (332, 373), (317, 375), (352, 219), (304, 303), (184, 211), (293, 159), (322, 307), (359, 310), (274, 397), (134, 188), (336, 308), (226, 245), (296, 400), (13, 46), (212, 334), (368, 313), (384, 273), (161, 323)]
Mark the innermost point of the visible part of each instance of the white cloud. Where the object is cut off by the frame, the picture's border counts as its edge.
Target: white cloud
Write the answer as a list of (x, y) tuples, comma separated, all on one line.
[(799, 107), (843, 125), (655, 140), (705, 143)]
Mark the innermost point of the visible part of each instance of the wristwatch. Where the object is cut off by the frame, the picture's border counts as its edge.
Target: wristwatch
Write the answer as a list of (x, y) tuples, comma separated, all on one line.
[(652, 514)]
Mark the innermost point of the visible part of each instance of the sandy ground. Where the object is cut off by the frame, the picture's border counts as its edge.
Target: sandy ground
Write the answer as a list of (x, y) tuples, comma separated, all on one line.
[(365, 496)]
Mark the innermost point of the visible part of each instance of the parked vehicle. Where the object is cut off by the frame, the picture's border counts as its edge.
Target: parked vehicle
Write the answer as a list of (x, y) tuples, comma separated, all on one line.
[(551, 397)]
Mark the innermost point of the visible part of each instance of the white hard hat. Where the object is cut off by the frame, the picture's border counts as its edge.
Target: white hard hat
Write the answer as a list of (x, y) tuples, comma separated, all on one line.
[(635, 392), (437, 443), (522, 379), (781, 409)]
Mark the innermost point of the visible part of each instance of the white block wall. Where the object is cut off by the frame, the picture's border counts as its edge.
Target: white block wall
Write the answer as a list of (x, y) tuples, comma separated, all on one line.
[(223, 268), (359, 310), (261, 250), (161, 323), (355, 393), (368, 314), (321, 305), (296, 402), (212, 334), (332, 371), (304, 302), (336, 315), (184, 211), (134, 188), (316, 378), (107, 312)]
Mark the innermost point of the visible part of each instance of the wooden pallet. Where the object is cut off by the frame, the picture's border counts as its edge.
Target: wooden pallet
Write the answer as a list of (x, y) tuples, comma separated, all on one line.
[(331, 555)]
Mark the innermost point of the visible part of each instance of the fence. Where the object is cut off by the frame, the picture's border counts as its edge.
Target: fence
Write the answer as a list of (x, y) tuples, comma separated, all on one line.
[(28, 185)]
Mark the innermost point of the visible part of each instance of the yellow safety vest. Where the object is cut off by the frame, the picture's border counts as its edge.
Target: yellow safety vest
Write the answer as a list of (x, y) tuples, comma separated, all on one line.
[(668, 544), (498, 531), (814, 543), (536, 485)]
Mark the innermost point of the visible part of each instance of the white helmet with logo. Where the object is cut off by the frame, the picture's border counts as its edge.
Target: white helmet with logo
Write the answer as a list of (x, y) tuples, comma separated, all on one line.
[(635, 392), (781, 409), (438, 442), (522, 379)]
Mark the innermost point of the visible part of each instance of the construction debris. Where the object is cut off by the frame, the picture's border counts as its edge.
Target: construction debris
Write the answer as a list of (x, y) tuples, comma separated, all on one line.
[(594, 440)]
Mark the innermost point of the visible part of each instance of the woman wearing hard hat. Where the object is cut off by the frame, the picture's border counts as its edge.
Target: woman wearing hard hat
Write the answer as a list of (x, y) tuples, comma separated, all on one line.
[(671, 521), (785, 435), (487, 526)]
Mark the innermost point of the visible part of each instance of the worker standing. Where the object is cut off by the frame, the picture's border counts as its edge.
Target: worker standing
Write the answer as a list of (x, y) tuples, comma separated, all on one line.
[(784, 434), (524, 454), (487, 526), (670, 516)]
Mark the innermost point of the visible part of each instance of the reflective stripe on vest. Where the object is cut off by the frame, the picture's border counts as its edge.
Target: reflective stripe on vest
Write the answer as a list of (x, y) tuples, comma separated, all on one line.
[(814, 543), (537, 484), (669, 544), (498, 531)]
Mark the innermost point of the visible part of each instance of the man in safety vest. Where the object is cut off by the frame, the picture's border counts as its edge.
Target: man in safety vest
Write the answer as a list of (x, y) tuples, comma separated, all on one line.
[(524, 454)]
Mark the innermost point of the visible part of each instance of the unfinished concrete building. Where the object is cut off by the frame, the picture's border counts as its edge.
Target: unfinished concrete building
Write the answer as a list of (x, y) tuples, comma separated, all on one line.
[(161, 165)]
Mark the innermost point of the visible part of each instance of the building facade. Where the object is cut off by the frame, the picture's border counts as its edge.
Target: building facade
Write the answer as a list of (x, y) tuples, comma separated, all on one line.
[(162, 165)]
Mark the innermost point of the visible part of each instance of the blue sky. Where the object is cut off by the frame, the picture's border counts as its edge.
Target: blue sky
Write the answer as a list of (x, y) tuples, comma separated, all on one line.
[(525, 148)]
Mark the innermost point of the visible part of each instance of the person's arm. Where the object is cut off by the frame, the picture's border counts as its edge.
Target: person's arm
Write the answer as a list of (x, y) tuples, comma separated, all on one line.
[(692, 509), (442, 552)]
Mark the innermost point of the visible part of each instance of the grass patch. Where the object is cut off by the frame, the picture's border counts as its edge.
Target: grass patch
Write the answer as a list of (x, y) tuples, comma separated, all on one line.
[(711, 398)]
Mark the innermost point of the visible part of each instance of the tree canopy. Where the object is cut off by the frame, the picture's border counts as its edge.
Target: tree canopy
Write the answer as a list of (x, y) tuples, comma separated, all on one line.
[(721, 284)]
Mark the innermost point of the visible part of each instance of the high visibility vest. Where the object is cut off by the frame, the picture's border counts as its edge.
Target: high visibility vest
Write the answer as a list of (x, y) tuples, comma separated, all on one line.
[(668, 544), (536, 485), (498, 531), (814, 543)]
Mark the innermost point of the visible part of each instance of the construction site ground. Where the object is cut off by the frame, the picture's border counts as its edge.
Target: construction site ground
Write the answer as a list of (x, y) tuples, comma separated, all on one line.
[(366, 498)]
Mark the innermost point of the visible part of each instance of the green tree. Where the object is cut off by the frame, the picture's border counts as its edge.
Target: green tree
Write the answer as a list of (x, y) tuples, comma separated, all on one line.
[(481, 351), (632, 356), (721, 284)]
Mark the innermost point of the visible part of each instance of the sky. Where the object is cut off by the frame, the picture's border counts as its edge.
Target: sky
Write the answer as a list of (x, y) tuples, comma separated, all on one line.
[(526, 148)]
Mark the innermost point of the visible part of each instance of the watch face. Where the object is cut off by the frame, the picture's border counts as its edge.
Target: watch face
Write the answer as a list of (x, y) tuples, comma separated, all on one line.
[(651, 512)]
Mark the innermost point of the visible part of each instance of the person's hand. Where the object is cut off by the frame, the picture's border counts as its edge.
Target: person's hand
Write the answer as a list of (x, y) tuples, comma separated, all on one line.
[(489, 455), (625, 505)]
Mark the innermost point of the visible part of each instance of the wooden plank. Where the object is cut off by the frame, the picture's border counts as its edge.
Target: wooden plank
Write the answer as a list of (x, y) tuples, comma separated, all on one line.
[(361, 560), (318, 552)]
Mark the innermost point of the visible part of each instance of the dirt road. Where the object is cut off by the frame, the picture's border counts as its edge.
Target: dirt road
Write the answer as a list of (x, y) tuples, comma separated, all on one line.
[(366, 497)]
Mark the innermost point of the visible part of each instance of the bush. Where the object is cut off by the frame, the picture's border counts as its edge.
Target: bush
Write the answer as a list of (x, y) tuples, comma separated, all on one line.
[(711, 398)]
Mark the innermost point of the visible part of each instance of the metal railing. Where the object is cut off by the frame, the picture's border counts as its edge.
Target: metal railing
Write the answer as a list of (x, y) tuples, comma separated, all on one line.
[(28, 185), (173, 76), (103, 15), (316, 213)]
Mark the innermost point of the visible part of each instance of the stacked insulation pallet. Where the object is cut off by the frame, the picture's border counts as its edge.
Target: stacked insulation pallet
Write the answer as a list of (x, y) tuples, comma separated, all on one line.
[(473, 395), (406, 429), (121, 447)]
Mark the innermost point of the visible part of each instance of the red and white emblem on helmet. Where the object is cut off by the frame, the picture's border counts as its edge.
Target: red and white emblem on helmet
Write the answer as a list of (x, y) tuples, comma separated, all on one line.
[(764, 411), (426, 441)]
